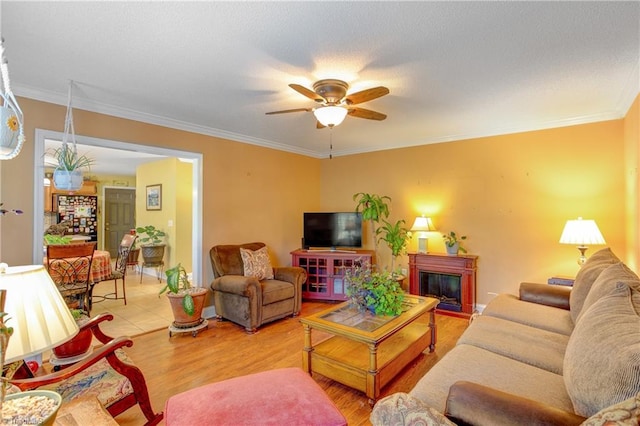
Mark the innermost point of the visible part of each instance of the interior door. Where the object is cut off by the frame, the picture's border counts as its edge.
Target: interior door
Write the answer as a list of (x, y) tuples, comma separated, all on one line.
[(119, 217)]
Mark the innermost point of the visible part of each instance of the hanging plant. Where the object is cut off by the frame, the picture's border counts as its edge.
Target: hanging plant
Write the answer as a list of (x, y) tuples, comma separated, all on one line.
[(68, 174)]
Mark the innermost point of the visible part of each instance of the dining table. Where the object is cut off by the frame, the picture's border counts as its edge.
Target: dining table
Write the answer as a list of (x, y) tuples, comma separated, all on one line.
[(100, 267)]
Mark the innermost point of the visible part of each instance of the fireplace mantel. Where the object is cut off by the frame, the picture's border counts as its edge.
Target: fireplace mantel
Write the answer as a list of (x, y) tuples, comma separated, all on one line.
[(440, 263)]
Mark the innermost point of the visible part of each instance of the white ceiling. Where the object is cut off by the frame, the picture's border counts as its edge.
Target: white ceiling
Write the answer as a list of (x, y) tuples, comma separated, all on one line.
[(455, 70)]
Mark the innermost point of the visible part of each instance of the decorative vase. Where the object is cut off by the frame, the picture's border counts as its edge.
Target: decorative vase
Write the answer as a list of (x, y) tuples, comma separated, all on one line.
[(77, 346), (67, 180), (181, 318), (452, 250)]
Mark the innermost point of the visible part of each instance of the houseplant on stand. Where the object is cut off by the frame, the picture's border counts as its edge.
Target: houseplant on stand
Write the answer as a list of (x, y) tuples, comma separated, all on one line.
[(452, 243), (396, 236), (151, 243), (377, 292), (187, 301)]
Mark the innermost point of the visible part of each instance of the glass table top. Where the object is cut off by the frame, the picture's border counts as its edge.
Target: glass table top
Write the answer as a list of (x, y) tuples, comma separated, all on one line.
[(349, 315)]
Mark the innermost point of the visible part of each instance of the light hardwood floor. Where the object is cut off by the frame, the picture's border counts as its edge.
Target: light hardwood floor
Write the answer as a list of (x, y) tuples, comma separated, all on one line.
[(181, 362)]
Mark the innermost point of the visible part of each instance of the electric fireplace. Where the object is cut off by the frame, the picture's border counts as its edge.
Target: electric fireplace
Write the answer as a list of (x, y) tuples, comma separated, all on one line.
[(450, 279)]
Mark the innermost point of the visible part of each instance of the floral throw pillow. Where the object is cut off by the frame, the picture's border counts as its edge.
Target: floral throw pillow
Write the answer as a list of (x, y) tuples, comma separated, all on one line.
[(257, 263), (625, 413), (402, 409)]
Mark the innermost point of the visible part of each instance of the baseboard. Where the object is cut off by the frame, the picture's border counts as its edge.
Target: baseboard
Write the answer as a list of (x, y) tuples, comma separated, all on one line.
[(209, 312)]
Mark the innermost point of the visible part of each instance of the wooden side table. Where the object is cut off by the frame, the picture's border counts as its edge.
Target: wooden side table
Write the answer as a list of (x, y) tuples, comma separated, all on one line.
[(84, 411)]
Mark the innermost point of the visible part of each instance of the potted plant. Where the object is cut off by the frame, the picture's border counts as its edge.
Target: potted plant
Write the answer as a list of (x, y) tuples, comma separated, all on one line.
[(151, 243), (378, 292), (68, 174), (396, 236), (373, 208), (452, 243), (187, 301)]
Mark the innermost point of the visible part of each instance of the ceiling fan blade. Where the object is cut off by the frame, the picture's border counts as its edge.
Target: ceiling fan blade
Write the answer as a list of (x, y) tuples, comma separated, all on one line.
[(319, 125), (307, 92), (289, 110), (366, 95), (366, 113)]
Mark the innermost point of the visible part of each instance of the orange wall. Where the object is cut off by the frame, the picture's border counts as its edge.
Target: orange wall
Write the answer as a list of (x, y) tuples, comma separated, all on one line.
[(251, 193), (511, 195), (632, 157)]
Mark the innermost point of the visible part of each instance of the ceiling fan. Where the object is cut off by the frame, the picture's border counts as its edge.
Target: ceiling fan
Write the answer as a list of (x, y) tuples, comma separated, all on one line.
[(334, 102)]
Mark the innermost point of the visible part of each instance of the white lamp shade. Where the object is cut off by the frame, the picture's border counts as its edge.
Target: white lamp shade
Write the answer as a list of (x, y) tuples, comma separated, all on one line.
[(36, 310), (581, 232), (423, 224), (330, 115)]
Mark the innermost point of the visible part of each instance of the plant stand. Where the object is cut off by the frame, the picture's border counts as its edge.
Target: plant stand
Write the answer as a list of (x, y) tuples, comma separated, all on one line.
[(193, 330)]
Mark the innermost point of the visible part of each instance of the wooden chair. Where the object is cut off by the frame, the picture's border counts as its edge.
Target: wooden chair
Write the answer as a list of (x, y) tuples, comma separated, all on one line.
[(118, 273), (108, 374), (69, 266)]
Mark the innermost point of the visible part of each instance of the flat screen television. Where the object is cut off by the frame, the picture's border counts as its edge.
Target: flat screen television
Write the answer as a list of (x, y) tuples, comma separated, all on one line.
[(332, 230)]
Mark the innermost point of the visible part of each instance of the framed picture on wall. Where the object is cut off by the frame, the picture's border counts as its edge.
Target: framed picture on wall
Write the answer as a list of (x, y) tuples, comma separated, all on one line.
[(154, 197)]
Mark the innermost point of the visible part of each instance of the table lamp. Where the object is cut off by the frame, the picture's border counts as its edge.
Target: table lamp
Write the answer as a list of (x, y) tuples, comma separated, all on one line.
[(36, 310), (581, 232), (422, 225)]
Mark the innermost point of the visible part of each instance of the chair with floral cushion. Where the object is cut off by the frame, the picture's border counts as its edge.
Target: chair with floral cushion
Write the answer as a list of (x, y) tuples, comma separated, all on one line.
[(107, 373), (248, 290)]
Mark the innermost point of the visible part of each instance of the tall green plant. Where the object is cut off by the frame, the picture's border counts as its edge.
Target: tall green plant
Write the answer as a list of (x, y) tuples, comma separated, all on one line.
[(396, 236), (374, 208)]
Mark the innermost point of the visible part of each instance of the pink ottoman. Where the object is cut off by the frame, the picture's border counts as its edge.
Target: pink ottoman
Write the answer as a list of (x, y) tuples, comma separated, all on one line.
[(286, 396)]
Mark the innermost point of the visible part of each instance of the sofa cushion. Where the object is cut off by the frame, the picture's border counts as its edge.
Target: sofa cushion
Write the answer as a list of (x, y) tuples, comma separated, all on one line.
[(602, 361), (275, 291), (607, 282), (586, 276), (402, 409), (256, 263), (540, 348), (509, 307), (473, 364), (625, 413)]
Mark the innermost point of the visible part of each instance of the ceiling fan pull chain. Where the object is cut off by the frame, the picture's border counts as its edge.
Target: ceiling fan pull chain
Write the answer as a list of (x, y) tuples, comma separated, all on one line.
[(330, 142)]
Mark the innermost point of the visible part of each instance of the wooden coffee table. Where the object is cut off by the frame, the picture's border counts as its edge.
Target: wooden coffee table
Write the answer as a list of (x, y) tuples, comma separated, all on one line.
[(367, 351)]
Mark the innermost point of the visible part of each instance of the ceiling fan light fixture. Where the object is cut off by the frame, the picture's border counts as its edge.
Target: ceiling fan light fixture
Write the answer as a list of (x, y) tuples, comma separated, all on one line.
[(331, 115)]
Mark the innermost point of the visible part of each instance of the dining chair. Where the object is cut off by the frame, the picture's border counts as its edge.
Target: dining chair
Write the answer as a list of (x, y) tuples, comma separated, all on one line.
[(69, 266), (119, 272)]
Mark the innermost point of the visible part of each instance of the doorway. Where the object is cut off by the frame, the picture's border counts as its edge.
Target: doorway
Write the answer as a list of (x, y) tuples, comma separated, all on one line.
[(119, 216), (195, 158)]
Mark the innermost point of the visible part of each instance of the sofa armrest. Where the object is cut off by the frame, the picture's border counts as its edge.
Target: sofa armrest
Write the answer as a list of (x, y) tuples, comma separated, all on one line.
[(473, 404), (291, 274), (556, 296), (237, 284), (296, 276)]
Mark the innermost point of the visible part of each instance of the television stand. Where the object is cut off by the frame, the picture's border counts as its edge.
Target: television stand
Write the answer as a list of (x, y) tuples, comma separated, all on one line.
[(326, 269)]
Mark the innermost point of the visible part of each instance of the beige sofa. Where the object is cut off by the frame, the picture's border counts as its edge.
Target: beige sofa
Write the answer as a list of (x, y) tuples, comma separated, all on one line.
[(553, 355)]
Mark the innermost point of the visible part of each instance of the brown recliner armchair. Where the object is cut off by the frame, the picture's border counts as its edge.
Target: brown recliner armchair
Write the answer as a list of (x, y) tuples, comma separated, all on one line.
[(244, 299)]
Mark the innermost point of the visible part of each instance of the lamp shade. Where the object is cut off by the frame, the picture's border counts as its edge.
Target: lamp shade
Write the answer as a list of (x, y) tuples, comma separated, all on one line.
[(330, 115), (36, 310), (581, 232), (423, 224)]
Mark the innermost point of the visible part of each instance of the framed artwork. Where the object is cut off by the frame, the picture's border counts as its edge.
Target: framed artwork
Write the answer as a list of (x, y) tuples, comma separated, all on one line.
[(154, 197)]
